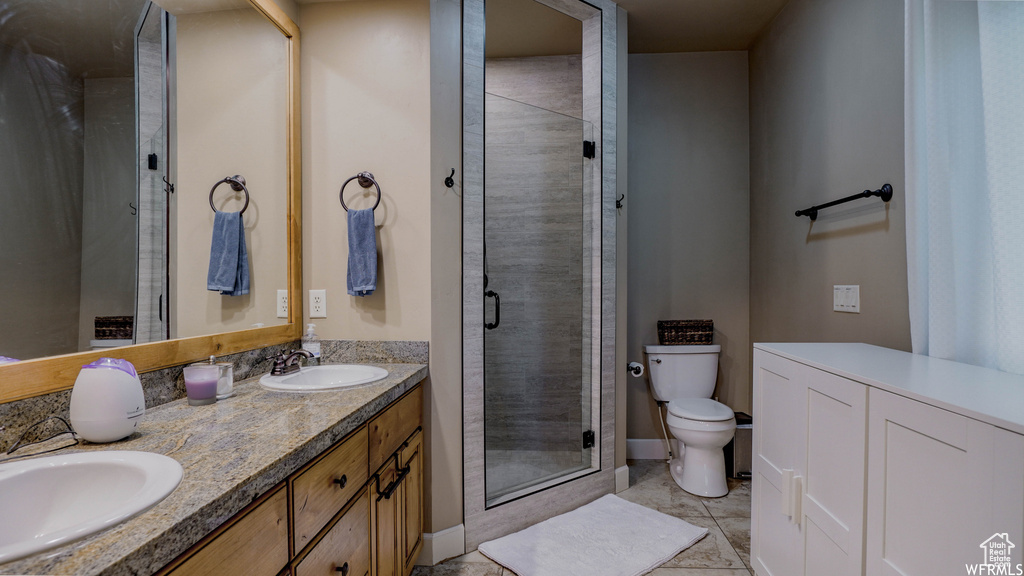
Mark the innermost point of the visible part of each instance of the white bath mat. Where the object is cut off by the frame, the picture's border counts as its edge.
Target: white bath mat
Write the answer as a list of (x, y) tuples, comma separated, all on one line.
[(608, 537)]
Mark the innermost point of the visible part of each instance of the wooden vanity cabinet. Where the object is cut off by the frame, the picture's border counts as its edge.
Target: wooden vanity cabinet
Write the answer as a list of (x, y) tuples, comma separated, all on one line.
[(331, 517), (396, 514)]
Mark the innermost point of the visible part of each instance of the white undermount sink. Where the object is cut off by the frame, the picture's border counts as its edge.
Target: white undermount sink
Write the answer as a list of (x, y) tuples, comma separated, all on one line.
[(49, 501), (327, 377)]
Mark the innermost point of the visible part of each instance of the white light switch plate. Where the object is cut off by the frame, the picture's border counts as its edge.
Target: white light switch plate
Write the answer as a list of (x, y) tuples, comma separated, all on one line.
[(846, 298)]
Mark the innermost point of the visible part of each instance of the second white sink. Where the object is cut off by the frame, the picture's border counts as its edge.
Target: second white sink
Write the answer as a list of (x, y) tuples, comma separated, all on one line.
[(49, 501), (328, 377)]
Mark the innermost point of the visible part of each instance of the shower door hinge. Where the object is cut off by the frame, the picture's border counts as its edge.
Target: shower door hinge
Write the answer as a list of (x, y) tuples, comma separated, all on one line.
[(588, 439), (589, 148)]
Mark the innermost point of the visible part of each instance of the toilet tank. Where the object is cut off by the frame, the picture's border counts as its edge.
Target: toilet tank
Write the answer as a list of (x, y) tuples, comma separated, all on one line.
[(683, 371)]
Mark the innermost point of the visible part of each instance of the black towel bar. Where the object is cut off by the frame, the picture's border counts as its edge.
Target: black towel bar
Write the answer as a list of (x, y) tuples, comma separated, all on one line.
[(885, 193)]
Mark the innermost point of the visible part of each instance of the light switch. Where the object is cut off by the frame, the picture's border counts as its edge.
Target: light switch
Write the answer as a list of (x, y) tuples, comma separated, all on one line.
[(846, 298)]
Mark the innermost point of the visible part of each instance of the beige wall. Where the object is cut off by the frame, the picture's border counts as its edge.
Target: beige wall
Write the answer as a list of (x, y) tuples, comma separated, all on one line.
[(444, 421), (231, 110), (366, 106), (688, 216), (381, 92), (826, 83)]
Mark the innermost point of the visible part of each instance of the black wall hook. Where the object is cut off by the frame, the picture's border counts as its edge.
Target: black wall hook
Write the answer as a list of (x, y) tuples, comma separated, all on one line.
[(450, 181), (618, 203)]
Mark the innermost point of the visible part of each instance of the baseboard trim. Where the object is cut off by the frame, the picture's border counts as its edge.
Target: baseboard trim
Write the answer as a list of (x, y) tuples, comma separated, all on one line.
[(621, 478), (441, 546), (646, 449)]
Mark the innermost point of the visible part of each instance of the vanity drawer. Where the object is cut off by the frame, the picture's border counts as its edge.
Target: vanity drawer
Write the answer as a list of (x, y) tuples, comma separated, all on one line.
[(394, 426), (259, 534), (345, 549), (322, 490)]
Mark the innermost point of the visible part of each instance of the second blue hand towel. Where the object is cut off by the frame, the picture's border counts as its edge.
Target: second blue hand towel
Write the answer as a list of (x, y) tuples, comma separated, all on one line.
[(362, 253)]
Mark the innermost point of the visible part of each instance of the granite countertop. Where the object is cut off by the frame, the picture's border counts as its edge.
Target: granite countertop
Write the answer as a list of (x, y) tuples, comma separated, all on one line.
[(232, 452)]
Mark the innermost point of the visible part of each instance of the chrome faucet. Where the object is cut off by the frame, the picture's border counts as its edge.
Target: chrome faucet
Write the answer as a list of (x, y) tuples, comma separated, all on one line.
[(288, 362)]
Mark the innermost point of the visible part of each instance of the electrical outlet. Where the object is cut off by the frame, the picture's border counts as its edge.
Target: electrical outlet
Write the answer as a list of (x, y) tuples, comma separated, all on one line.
[(282, 303), (846, 298), (318, 303)]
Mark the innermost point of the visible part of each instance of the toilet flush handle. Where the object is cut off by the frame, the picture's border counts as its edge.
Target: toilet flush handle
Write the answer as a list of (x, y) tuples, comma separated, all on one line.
[(657, 360)]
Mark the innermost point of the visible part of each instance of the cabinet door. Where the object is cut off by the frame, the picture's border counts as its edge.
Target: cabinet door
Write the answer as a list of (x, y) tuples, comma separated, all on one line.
[(384, 524), (779, 441), (930, 477), (411, 501), (833, 474)]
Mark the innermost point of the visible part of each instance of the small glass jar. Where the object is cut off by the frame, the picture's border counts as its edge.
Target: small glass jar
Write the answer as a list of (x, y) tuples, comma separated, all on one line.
[(225, 378)]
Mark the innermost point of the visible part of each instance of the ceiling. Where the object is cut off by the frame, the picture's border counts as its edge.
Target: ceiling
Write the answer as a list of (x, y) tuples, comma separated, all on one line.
[(91, 38), (90, 41), (527, 28), (696, 25), (96, 47)]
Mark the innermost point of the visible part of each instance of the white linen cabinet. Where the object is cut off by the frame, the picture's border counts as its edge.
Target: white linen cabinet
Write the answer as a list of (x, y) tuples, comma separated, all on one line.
[(940, 485), (883, 463), (808, 470)]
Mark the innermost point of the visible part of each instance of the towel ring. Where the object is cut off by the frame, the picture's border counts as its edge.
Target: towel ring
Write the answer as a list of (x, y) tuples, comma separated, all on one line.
[(237, 184), (365, 180)]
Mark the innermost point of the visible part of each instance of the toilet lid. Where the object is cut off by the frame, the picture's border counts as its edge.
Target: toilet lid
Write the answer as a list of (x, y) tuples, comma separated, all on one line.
[(700, 409)]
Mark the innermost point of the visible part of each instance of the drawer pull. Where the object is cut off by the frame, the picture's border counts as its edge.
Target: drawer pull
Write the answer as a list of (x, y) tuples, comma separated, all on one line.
[(343, 569), (389, 490), (341, 482)]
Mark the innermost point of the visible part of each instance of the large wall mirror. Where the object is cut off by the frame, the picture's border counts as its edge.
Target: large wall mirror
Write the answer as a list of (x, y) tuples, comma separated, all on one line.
[(122, 120)]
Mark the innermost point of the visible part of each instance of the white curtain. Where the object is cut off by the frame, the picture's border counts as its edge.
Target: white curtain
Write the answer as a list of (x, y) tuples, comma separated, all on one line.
[(964, 95)]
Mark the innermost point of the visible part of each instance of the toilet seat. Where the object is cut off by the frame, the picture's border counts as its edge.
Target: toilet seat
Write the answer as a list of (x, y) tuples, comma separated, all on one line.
[(700, 409)]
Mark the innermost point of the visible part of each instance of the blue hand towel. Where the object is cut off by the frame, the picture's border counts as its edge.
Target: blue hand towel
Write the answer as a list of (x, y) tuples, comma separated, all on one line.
[(229, 258), (362, 253)]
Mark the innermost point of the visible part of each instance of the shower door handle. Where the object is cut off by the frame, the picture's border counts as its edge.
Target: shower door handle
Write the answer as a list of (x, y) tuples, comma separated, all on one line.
[(497, 310)]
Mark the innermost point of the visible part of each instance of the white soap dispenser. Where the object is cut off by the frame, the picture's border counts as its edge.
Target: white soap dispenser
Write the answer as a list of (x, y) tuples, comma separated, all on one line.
[(107, 401), (311, 344)]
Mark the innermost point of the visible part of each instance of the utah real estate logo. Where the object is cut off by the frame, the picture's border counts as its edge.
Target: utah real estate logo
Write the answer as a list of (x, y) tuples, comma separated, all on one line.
[(997, 558)]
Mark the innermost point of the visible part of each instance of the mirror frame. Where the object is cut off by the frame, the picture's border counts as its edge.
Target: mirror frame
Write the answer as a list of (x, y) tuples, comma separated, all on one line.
[(29, 378)]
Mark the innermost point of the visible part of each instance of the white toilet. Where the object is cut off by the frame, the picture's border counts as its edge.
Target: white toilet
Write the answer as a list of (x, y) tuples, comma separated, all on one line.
[(684, 377)]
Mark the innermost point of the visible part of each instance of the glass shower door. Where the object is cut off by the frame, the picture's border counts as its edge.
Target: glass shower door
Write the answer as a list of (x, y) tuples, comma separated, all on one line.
[(539, 282)]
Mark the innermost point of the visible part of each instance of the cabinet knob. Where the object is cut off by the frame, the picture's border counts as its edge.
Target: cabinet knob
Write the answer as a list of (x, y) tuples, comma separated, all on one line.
[(343, 569), (341, 482)]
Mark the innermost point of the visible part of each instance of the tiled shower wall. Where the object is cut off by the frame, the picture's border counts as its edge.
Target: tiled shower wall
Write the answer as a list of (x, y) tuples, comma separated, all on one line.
[(535, 253), (152, 257)]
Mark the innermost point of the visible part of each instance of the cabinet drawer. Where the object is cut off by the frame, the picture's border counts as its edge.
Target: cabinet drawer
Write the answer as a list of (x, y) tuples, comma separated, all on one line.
[(345, 549), (322, 490), (392, 427), (255, 545)]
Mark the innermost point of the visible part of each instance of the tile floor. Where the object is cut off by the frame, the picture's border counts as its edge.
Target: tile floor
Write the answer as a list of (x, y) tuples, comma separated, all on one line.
[(725, 551)]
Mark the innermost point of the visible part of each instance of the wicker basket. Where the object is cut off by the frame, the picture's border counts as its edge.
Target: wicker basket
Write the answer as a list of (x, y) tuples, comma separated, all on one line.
[(113, 327), (672, 332)]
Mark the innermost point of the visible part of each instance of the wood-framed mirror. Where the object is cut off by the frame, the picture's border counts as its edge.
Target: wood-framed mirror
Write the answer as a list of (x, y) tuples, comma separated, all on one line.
[(37, 376)]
